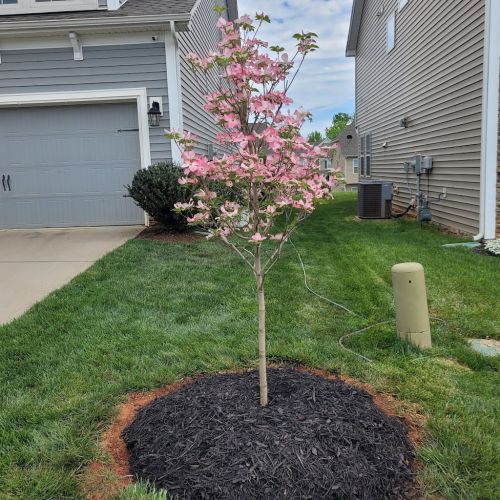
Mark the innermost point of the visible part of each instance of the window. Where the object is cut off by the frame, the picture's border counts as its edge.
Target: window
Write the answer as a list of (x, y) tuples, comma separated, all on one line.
[(355, 166), (402, 3), (368, 155), (391, 32), (7, 2), (365, 156), (325, 164), (362, 155)]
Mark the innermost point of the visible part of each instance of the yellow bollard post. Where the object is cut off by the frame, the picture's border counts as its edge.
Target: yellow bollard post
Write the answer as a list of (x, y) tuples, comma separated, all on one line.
[(410, 300)]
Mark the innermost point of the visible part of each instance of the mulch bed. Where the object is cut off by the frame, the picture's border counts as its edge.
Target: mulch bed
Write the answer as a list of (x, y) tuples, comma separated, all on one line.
[(160, 233), (318, 438)]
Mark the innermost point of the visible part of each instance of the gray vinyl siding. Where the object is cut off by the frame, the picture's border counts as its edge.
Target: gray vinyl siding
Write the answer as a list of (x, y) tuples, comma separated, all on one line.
[(433, 76), (105, 67), (201, 39)]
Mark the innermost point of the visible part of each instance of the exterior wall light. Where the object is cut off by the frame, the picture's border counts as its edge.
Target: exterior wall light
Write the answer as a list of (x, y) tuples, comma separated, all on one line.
[(404, 122), (154, 114)]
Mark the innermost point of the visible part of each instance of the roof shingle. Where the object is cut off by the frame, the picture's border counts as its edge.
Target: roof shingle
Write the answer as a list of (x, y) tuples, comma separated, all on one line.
[(132, 8)]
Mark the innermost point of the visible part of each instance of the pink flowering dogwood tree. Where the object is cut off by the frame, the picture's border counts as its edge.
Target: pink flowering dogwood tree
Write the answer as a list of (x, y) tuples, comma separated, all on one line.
[(270, 176)]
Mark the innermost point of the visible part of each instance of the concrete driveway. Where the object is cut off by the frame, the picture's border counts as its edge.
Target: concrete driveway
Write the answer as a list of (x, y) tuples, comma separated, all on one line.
[(35, 262)]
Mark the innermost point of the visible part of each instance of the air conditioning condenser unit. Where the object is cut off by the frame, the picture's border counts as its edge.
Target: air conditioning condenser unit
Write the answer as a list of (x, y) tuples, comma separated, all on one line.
[(374, 199)]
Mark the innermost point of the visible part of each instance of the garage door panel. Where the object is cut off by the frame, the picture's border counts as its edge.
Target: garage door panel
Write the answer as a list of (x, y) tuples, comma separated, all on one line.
[(70, 180), (67, 212), (68, 149), (68, 165)]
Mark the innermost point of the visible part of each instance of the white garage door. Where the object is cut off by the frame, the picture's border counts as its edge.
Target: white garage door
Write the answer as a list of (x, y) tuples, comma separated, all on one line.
[(67, 165)]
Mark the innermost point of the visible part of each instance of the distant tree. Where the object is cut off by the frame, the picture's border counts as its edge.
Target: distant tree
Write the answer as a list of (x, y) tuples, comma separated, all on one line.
[(339, 123), (314, 137)]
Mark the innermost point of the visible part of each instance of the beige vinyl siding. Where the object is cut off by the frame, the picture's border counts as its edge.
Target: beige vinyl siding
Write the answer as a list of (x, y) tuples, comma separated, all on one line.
[(201, 39), (433, 77)]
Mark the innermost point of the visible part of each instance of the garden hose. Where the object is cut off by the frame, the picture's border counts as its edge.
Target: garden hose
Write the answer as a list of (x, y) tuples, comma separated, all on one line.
[(336, 304)]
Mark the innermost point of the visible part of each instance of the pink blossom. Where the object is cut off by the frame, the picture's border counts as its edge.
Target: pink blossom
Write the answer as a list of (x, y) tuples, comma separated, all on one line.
[(244, 20), (223, 23), (232, 121), (257, 238), (198, 217), (269, 167), (183, 206), (206, 195), (230, 209)]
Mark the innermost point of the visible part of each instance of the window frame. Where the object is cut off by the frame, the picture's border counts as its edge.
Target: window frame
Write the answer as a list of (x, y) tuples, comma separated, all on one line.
[(390, 29), (362, 155), (355, 168), (402, 4), (368, 155), (365, 155), (325, 163)]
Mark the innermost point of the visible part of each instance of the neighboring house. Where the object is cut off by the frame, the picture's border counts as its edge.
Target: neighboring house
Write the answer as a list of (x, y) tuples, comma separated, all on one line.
[(427, 82), (77, 78), (343, 158)]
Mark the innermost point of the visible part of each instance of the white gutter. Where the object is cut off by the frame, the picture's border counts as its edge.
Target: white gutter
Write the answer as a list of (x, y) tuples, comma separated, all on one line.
[(489, 122)]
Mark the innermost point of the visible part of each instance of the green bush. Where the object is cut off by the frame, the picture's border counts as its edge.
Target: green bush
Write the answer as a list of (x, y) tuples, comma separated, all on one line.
[(156, 190)]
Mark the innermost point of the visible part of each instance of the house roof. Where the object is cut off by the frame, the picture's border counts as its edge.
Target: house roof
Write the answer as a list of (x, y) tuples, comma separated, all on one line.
[(348, 141), (137, 9), (352, 39)]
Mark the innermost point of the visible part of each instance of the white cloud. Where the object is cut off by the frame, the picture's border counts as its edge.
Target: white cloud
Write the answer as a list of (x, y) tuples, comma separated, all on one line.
[(326, 82)]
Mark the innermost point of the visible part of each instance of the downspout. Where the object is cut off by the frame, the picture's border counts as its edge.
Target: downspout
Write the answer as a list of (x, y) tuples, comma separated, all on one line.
[(489, 122), (484, 122), (491, 150)]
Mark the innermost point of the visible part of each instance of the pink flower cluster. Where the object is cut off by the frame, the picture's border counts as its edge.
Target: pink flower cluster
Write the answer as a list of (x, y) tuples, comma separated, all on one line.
[(271, 170)]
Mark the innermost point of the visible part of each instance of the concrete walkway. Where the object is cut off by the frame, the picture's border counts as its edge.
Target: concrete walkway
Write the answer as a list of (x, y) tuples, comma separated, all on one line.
[(35, 262)]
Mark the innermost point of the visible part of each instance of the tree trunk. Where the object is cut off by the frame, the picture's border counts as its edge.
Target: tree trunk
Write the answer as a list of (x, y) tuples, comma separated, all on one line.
[(259, 276)]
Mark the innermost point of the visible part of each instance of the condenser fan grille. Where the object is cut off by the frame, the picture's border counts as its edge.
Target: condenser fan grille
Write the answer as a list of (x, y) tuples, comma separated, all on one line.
[(374, 200)]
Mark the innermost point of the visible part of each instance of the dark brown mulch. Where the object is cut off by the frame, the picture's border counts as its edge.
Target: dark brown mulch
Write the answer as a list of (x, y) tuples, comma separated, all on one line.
[(317, 439), (160, 233)]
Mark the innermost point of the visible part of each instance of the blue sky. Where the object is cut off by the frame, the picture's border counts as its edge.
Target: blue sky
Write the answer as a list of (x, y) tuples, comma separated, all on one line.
[(326, 82)]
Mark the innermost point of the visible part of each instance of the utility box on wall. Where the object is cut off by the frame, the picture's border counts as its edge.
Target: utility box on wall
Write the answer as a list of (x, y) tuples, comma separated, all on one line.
[(374, 199)]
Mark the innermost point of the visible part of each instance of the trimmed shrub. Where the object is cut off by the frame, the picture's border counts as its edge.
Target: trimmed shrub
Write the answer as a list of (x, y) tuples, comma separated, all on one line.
[(156, 190)]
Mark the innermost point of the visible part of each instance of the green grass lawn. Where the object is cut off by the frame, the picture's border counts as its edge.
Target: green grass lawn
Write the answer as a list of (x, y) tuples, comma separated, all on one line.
[(150, 313)]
